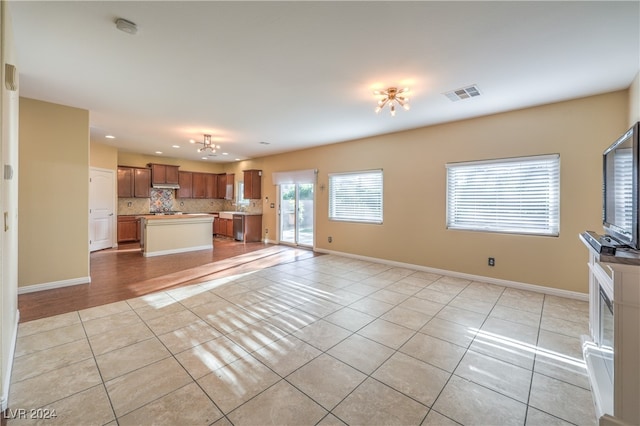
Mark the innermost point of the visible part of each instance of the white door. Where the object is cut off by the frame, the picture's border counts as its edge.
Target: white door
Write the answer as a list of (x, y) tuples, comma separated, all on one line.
[(101, 209)]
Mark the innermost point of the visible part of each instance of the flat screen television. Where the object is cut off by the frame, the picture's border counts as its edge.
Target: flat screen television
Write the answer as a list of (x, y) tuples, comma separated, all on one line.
[(622, 189)]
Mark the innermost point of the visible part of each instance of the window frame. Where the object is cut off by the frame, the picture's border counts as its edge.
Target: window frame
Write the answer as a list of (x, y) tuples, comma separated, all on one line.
[(543, 221), (333, 215)]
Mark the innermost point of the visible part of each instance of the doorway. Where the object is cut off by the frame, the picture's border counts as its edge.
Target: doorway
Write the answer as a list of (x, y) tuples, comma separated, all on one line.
[(296, 214)]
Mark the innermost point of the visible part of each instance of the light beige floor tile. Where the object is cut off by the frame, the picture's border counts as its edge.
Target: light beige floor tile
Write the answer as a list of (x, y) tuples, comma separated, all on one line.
[(361, 353), (408, 286), (374, 403), (46, 324), (461, 316), (326, 380), (568, 328), (344, 297), (522, 300), (256, 336), (458, 334), (91, 406), (389, 296), (322, 334), (531, 319), (565, 313), (119, 338), (331, 420), (151, 312), (37, 363), (568, 402), (473, 305), (508, 341), (137, 388), (54, 385), (500, 376), (436, 419), (112, 322), (188, 405), (196, 295), (238, 382), (172, 321), (435, 296), (225, 317), (482, 291), (36, 342), (104, 310), (471, 404), (560, 357), (540, 418), (371, 306), (449, 285), (428, 277), (121, 361), (362, 289), (155, 300), (434, 351), (293, 408), (387, 333), (319, 307), (419, 380), (350, 319), (210, 356), (286, 355), (292, 320), (408, 318), (187, 337), (422, 305)]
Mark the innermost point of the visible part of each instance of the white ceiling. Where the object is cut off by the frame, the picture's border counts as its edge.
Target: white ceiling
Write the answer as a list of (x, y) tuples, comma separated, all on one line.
[(301, 74)]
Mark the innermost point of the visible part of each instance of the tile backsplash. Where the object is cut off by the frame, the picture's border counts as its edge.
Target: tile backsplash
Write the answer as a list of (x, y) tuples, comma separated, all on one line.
[(164, 200)]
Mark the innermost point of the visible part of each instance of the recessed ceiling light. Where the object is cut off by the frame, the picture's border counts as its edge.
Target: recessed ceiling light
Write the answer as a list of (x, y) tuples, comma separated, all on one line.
[(175, 146), (158, 152), (237, 159), (110, 137), (225, 153), (205, 158)]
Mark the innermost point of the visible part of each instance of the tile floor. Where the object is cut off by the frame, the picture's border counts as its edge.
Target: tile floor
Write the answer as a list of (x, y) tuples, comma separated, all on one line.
[(326, 340)]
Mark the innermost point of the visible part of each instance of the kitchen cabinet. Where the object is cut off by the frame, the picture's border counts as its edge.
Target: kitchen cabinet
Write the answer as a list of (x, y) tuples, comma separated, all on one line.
[(162, 174), (228, 194), (223, 227), (133, 182), (211, 183), (252, 228), (128, 229), (199, 185), (221, 185), (252, 184), (185, 179)]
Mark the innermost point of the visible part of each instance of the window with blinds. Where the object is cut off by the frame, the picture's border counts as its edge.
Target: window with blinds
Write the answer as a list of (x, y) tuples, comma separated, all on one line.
[(512, 195), (356, 196), (623, 189)]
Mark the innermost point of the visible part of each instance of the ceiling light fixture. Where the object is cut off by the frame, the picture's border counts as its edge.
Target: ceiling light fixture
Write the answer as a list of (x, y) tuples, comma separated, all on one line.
[(207, 145), (126, 26), (391, 96)]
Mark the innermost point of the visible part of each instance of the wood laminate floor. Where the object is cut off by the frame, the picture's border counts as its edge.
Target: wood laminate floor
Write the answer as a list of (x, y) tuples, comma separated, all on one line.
[(123, 273)]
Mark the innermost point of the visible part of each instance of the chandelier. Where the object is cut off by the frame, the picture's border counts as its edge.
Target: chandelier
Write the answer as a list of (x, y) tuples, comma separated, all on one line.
[(391, 96), (207, 144)]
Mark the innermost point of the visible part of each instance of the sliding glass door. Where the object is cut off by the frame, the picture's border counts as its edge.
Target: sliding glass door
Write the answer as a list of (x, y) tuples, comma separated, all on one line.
[(296, 213)]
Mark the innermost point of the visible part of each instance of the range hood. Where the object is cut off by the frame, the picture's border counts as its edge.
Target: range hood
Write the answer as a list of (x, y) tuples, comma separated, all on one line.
[(165, 186)]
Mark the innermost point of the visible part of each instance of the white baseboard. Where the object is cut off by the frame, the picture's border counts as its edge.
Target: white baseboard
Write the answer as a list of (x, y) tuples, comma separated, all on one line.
[(54, 284), (497, 281), (4, 396)]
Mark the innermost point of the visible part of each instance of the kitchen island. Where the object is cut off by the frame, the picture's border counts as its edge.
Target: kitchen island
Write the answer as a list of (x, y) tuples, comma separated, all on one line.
[(169, 234)]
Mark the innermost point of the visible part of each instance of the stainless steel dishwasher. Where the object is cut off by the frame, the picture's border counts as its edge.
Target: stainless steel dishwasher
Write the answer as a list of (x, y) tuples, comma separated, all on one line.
[(238, 227)]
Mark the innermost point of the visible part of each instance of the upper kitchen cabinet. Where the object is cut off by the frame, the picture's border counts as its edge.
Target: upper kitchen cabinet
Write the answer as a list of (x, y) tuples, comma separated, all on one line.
[(199, 185), (164, 174), (185, 179), (133, 182), (211, 181), (252, 184), (229, 181)]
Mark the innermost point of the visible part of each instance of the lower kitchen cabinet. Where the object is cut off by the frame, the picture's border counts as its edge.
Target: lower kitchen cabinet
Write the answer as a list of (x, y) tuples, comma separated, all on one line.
[(128, 229)]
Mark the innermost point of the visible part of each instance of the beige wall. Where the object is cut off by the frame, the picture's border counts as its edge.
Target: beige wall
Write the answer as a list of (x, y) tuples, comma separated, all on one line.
[(103, 156), (634, 100), (9, 207), (54, 193), (141, 160), (414, 196)]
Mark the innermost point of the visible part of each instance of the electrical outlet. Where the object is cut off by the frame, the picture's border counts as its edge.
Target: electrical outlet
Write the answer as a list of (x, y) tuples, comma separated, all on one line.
[(266, 231), (330, 239), (492, 261)]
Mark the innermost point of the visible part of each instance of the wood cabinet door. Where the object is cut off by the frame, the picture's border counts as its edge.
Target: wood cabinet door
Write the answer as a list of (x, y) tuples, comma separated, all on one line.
[(222, 185), (252, 184), (229, 227), (172, 174), (229, 188), (185, 181), (199, 185), (211, 183), (125, 182), (141, 183), (216, 225), (128, 229), (158, 173)]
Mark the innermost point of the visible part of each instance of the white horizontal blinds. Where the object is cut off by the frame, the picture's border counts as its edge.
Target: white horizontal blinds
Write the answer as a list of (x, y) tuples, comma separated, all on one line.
[(514, 195), (356, 197), (622, 185), (294, 176)]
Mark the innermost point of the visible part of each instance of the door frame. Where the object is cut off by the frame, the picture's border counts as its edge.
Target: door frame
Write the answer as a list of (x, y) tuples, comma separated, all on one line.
[(279, 215)]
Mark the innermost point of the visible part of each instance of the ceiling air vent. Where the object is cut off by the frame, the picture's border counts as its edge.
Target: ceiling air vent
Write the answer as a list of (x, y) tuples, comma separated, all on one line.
[(463, 93)]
